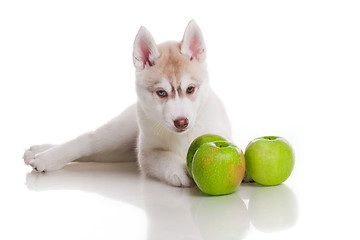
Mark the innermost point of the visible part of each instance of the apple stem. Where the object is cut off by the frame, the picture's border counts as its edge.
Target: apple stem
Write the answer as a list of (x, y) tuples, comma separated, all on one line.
[(269, 138), (220, 145)]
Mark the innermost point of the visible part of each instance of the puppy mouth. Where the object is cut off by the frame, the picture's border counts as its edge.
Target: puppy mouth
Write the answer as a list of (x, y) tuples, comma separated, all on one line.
[(181, 130)]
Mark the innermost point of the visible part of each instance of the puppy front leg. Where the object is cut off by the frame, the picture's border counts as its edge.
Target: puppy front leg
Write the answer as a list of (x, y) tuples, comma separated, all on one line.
[(58, 156), (116, 137), (165, 166)]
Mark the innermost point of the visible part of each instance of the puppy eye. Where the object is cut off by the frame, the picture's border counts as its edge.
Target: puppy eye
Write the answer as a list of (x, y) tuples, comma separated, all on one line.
[(161, 93), (190, 90)]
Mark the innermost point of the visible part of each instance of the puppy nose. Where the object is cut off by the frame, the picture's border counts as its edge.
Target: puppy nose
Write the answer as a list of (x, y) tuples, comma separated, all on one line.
[(181, 123)]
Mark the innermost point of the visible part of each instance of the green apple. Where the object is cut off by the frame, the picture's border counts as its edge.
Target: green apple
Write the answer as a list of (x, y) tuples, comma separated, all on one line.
[(196, 144), (218, 167), (269, 160)]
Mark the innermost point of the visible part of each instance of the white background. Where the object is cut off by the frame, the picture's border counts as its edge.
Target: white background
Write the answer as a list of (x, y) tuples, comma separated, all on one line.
[(287, 68)]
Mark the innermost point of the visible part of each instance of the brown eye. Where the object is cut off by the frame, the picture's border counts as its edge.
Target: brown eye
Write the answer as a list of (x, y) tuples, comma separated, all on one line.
[(190, 90), (161, 93)]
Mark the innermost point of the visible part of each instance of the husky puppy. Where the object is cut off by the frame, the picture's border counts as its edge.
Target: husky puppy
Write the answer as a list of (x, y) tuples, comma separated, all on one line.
[(175, 105)]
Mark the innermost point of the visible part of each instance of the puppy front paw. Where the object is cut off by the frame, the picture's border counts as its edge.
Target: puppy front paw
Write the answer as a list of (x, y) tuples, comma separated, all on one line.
[(30, 153), (45, 161), (181, 179)]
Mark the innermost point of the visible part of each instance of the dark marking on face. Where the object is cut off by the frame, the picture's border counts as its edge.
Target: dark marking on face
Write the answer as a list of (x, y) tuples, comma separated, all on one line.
[(180, 92), (173, 92), (176, 90)]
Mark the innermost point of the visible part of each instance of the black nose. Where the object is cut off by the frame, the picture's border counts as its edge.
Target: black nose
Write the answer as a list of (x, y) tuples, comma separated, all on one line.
[(181, 123)]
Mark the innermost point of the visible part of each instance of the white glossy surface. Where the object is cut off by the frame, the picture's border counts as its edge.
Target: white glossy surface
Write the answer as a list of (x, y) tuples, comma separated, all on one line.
[(282, 68), (112, 201), (155, 209)]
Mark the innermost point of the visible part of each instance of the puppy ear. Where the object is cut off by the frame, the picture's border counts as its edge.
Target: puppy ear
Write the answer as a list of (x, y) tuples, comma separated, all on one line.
[(193, 45), (145, 52)]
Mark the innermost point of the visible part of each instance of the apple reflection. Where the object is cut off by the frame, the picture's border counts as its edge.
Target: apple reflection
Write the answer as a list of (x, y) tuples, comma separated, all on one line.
[(272, 209), (221, 217)]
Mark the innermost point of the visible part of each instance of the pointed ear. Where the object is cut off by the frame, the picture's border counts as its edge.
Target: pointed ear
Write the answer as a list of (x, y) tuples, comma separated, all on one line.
[(193, 45), (145, 51)]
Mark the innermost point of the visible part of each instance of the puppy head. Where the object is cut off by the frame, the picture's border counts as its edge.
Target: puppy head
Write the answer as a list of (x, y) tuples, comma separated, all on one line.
[(171, 78)]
